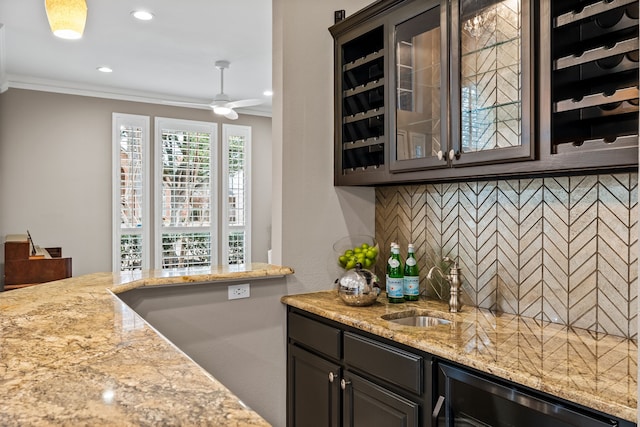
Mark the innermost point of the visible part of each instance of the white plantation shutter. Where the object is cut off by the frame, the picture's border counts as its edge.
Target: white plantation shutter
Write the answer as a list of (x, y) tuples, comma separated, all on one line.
[(190, 224), (130, 202), (236, 185), (186, 196)]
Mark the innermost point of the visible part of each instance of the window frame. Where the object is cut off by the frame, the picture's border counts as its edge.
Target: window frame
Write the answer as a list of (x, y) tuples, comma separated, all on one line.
[(161, 123), (151, 160), (143, 122), (229, 130)]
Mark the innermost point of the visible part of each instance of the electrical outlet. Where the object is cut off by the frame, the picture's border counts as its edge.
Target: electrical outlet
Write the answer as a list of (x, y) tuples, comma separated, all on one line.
[(239, 291)]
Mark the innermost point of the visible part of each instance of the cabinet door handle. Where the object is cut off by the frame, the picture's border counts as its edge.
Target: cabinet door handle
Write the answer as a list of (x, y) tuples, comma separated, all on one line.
[(343, 384), (436, 411), (332, 377)]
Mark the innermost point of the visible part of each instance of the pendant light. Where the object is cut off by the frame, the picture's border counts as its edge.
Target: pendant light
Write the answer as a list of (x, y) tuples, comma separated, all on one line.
[(66, 17)]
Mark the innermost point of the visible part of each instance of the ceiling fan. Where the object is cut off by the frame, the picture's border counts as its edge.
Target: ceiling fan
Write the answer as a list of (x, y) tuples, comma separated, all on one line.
[(222, 104)]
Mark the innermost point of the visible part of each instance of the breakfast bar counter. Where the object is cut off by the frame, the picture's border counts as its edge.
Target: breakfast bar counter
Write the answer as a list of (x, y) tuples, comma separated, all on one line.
[(72, 353)]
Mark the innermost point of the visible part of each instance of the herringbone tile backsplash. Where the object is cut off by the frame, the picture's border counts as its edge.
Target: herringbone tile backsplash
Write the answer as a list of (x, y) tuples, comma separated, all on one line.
[(557, 249)]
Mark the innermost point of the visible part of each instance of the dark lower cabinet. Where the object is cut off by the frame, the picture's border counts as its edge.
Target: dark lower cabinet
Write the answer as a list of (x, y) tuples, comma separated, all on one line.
[(367, 404), (339, 377), (467, 399), (316, 381)]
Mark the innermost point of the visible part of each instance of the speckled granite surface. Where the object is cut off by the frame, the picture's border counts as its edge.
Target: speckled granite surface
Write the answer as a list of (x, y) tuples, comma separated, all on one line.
[(595, 370), (71, 353)]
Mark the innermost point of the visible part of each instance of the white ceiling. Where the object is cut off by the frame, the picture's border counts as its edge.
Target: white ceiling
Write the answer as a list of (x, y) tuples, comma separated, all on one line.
[(169, 58)]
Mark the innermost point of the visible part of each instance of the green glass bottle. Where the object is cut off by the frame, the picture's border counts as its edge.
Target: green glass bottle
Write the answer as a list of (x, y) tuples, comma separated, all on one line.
[(386, 277), (395, 282), (411, 276)]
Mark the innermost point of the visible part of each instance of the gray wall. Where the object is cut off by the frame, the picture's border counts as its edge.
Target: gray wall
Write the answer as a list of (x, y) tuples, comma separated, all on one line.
[(55, 171), (310, 214), (240, 342)]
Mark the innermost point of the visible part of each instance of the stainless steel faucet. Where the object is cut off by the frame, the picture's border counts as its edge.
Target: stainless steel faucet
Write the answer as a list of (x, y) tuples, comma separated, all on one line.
[(454, 278)]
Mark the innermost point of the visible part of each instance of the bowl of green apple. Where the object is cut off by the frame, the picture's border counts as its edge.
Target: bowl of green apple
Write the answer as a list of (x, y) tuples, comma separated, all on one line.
[(354, 249)]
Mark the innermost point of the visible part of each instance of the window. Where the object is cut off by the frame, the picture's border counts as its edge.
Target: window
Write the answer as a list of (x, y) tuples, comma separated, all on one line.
[(130, 201), (236, 174), (185, 186)]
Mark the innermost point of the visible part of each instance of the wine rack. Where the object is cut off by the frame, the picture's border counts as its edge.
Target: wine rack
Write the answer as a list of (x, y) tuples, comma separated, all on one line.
[(363, 108), (594, 85)]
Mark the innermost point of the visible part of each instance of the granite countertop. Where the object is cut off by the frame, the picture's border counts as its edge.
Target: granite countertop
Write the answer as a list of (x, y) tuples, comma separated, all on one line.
[(72, 353), (595, 370)]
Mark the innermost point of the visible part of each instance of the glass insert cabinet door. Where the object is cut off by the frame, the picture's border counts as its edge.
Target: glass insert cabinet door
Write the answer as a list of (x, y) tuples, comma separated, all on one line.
[(419, 67), (491, 97)]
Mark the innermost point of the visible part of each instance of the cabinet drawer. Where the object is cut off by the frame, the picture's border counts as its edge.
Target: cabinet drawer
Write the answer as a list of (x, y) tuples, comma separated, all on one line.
[(391, 364), (315, 335)]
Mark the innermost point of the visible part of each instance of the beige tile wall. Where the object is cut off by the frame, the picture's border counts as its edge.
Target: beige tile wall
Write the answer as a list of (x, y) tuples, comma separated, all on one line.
[(561, 249)]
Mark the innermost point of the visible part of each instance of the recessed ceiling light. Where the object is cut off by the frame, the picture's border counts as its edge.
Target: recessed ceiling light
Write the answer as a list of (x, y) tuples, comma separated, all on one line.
[(105, 69), (268, 93), (142, 15)]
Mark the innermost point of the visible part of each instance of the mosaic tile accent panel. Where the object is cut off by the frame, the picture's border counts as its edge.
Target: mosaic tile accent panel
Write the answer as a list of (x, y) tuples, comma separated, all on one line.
[(561, 249)]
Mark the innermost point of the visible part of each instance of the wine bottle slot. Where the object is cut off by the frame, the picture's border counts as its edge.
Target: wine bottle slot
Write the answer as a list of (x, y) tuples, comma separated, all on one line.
[(598, 53), (597, 144), (576, 103), (584, 12)]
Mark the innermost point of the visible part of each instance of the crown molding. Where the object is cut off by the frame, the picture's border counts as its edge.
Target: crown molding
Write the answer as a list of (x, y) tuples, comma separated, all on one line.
[(73, 88)]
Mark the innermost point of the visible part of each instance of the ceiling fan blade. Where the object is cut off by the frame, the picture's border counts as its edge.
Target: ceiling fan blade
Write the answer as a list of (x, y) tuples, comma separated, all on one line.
[(187, 104), (231, 115), (244, 103), (221, 102)]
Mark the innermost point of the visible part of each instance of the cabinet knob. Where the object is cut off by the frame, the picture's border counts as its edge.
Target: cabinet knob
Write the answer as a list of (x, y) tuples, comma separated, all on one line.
[(454, 155), (344, 383), (440, 155), (332, 377)]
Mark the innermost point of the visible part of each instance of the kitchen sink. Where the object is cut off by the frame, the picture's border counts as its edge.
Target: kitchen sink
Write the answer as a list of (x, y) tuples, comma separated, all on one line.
[(417, 318)]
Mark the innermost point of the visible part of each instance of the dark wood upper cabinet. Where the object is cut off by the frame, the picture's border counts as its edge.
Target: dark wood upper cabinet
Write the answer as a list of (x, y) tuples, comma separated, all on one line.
[(463, 82), (465, 89), (361, 137), (589, 82)]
